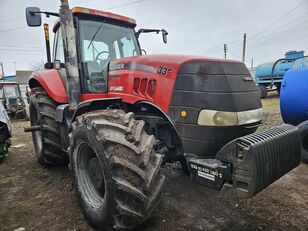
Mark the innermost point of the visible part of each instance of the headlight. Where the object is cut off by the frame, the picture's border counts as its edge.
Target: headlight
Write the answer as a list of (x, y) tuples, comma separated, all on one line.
[(224, 118)]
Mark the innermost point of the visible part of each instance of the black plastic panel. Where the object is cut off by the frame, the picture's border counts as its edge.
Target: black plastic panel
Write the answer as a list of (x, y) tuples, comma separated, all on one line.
[(206, 141), (212, 85)]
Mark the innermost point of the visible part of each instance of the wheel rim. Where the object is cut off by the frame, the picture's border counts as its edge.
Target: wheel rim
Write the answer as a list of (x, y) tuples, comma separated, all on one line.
[(37, 135), (90, 176)]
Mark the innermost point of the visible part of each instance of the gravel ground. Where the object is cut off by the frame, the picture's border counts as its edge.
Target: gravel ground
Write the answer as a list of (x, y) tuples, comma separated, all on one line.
[(36, 198)]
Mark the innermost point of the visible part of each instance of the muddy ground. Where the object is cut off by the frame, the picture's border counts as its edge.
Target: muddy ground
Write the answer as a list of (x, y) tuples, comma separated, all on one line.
[(36, 198)]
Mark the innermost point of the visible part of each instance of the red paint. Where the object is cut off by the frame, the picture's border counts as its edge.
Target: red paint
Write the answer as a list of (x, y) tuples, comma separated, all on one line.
[(163, 84), (104, 14), (51, 81), (84, 97), (125, 83)]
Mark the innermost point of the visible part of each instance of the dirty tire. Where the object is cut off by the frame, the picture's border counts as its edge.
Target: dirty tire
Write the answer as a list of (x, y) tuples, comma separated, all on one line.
[(116, 170), (47, 142), (303, 127), (263, 91)]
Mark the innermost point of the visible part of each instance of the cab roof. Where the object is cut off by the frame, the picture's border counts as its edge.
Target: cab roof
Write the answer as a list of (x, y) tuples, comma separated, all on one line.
[(82, 10)]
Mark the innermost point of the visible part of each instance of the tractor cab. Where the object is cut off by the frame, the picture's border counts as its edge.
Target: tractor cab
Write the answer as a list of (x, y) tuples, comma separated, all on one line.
[(101, 38), (12, 100)]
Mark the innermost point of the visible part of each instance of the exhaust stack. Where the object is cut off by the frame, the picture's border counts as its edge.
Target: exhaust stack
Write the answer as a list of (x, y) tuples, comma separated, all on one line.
[(70, 48)]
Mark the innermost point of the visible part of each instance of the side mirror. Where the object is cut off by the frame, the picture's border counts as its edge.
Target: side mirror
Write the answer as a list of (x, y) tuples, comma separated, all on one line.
[(164, 33), (33, 16)]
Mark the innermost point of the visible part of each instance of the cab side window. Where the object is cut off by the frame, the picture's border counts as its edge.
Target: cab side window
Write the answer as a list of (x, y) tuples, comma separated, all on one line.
[(59, 49)]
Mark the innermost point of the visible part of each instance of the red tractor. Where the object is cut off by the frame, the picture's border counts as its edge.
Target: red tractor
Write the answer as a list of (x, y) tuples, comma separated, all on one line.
[(115, 116)]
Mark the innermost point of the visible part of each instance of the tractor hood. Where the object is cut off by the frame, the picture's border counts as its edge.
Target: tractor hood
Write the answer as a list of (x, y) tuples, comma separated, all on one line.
[(218, 97), (166, 65)]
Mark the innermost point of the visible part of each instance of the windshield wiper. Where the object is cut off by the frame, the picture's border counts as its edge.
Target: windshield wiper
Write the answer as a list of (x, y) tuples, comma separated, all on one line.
[(95, 34)]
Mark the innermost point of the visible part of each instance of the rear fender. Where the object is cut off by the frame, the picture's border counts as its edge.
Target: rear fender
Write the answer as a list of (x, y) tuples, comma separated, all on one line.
[(66, 117), (52, 83), (95, 104)]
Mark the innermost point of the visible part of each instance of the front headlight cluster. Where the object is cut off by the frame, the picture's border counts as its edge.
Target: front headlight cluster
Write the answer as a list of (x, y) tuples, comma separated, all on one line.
[(225, 118)]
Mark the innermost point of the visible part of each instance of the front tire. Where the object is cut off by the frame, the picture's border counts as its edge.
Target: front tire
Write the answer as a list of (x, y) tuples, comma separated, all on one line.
[(47, 141), (116, 170)]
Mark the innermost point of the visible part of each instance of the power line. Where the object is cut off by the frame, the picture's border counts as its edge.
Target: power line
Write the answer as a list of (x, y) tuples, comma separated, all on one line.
[(284, 28), (117, 6), (17, 53), (12, 45), (114, 7), (127, 4), (238, 42), (11, 19), (13, 29), (278, 20), (3, 49)]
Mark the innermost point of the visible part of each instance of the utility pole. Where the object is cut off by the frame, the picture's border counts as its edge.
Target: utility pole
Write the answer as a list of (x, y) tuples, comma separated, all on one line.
[(225, 50), (2, 71), (244, 48), (251, 63)]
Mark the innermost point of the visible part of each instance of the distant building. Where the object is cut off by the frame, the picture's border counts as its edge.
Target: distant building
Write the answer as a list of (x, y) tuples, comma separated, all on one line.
[(21, 77)]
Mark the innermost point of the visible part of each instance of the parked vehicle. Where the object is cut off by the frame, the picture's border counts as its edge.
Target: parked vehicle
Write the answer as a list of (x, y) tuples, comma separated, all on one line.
[(12, 100), (115, 116), (5, 132), (268, 76)]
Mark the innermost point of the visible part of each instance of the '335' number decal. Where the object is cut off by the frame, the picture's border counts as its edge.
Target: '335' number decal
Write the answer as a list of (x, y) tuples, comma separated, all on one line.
[(163, 70)]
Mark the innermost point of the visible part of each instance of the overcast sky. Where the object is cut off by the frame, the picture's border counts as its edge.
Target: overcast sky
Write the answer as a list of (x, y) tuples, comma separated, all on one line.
[(196, 27)]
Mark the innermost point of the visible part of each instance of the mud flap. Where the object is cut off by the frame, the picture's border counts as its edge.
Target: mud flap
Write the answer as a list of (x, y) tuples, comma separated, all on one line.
[(248, 164)]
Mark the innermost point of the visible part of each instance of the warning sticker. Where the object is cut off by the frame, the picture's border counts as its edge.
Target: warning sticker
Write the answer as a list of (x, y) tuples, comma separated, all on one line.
[(206, 176)]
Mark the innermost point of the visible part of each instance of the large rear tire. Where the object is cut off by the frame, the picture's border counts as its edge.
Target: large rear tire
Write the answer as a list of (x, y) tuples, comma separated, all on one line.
[(47, 141), (116, 169)]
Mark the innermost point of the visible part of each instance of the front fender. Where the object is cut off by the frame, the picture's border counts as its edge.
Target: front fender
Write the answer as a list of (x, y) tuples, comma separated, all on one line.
[(52, 83)]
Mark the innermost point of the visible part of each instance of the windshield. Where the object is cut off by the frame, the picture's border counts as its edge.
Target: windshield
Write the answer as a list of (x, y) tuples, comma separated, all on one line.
[(100, 43), (11, 91)]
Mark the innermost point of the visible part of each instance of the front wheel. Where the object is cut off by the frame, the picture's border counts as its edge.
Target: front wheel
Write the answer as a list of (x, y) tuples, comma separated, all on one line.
[(116, 170)]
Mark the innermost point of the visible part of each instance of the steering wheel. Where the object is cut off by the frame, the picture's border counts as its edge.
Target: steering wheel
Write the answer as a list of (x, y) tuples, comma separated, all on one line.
[(97, 58)]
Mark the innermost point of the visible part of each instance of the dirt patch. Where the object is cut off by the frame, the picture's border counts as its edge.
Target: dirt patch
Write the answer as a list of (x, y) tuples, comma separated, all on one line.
[(37, 198)]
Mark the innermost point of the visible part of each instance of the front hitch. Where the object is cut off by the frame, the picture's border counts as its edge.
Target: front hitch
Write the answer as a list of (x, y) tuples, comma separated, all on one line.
[(248, 164)]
